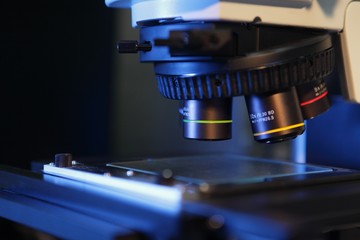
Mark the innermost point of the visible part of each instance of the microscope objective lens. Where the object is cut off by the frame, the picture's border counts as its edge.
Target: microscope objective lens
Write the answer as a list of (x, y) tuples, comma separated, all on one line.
[(275, 117), (313, 98), (207, 119)]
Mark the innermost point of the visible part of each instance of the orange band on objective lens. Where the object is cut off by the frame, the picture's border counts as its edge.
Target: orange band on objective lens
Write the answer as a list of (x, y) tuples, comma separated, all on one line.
[(279, 129)]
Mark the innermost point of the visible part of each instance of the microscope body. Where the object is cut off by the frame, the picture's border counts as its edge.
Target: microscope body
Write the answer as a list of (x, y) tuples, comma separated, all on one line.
[(335, 16), (278, 54)]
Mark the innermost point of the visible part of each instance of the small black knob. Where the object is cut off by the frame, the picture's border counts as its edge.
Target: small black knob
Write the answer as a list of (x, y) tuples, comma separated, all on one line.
[(63, 160), (133, 46)]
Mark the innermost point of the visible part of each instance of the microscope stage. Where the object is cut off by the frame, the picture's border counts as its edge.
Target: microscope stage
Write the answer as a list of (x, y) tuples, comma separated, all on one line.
[(189, 177), (164, 196)]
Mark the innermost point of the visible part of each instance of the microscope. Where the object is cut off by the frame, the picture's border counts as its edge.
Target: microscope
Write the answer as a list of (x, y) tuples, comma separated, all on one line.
[(277, 54), (280, 56)]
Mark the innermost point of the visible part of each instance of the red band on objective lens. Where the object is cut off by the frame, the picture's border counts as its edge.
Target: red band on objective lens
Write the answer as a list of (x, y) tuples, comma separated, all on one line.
[(314, 99)]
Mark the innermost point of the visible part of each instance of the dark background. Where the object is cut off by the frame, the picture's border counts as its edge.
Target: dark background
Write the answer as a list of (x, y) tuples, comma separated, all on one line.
[(55, 79)]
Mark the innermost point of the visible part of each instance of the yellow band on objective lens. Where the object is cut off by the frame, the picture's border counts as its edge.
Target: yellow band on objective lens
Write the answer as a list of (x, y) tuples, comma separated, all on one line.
[(207, 121), (279, 129)]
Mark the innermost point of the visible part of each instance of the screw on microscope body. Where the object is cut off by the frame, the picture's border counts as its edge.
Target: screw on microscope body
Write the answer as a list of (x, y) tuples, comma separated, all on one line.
[(216, 221), (130, 173), (166, 177), (133, 46), (167, 174)]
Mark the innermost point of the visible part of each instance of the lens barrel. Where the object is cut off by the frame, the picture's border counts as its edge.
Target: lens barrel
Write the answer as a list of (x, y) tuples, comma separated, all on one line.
[(279, 70), (209, 119), (313, 97), (275, 116)]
